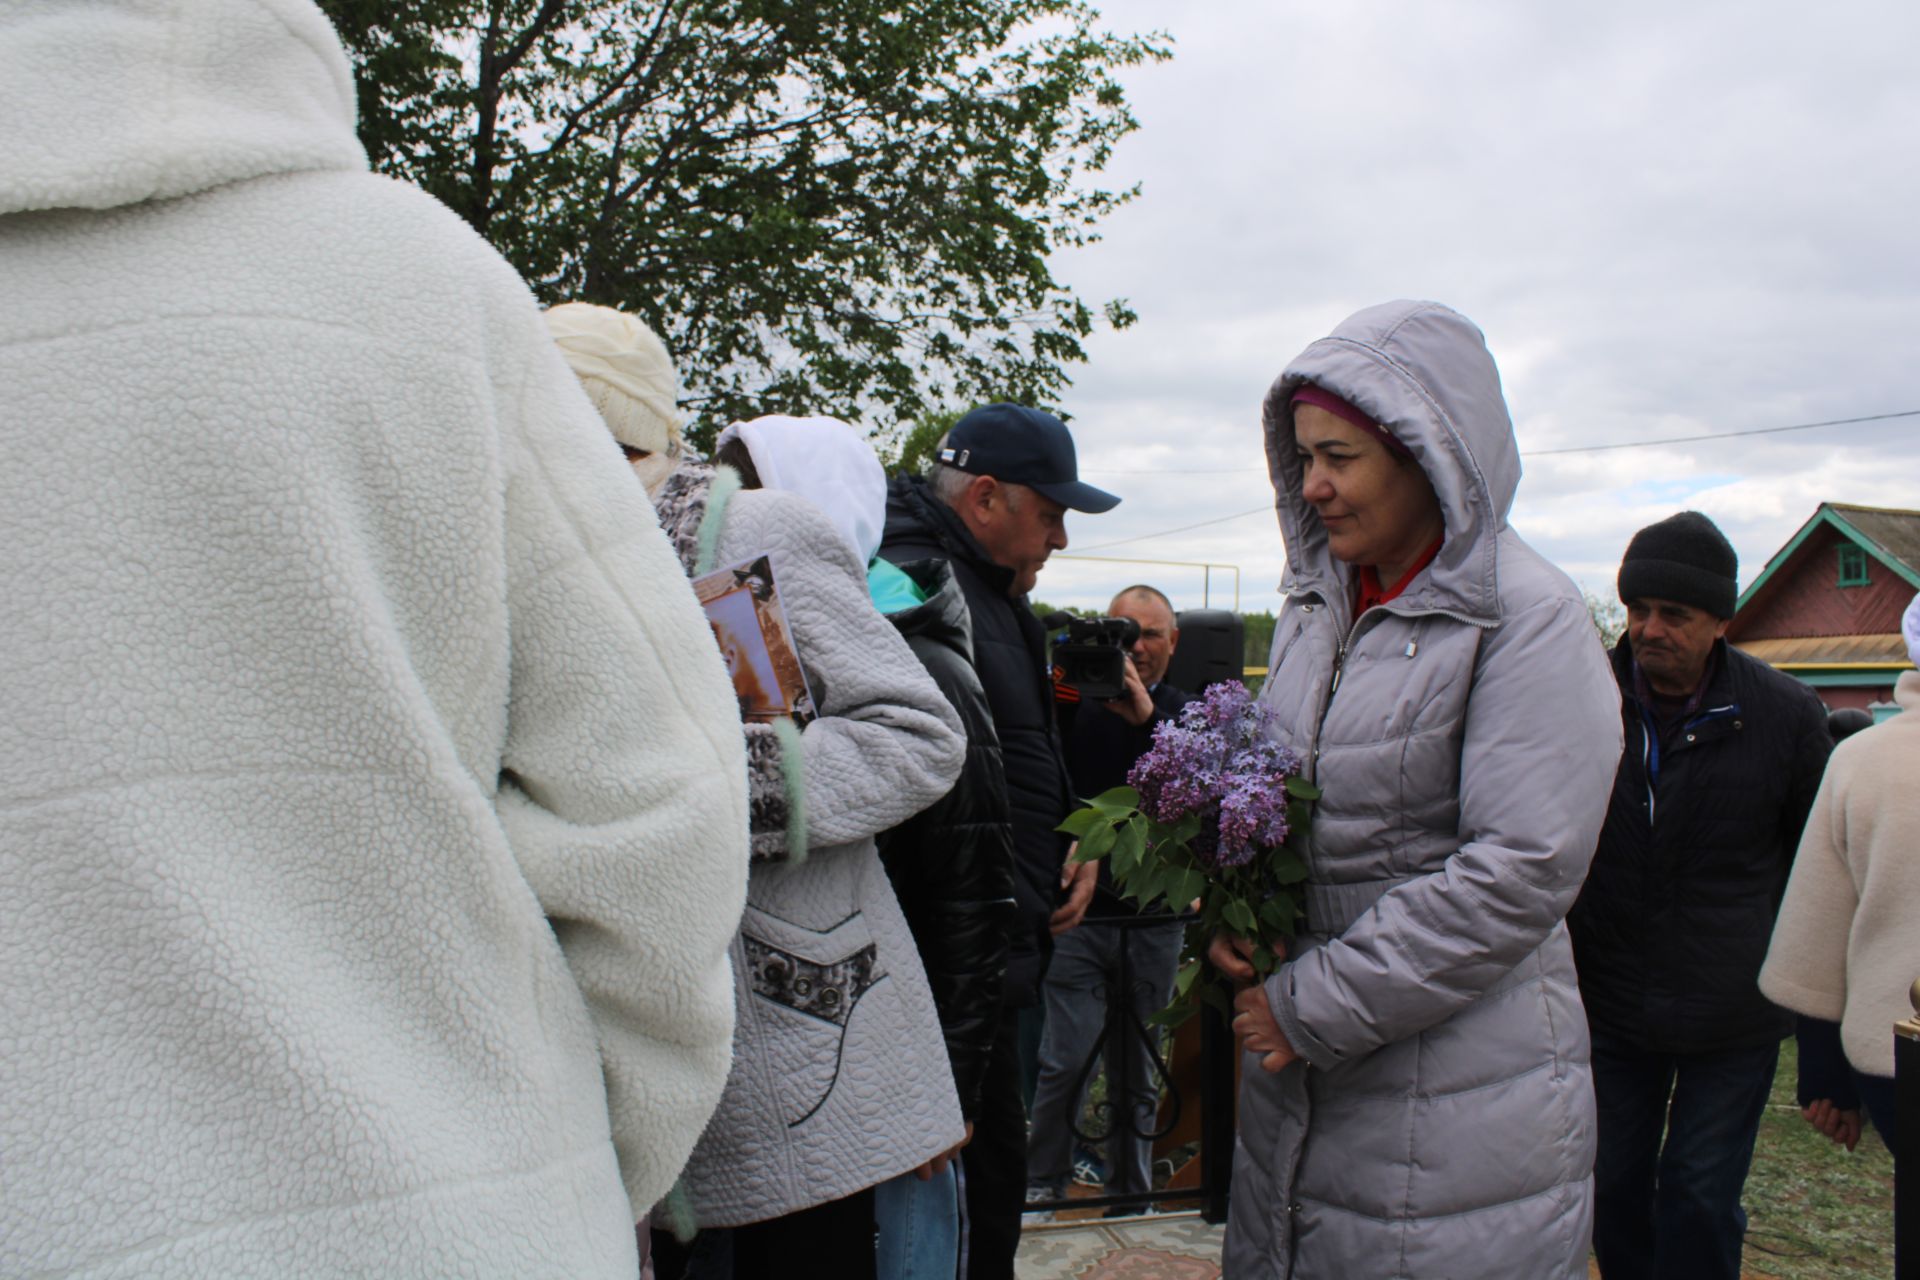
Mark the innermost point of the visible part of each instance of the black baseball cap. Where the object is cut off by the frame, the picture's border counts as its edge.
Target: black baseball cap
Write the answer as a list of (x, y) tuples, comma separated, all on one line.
[(1018, 445)]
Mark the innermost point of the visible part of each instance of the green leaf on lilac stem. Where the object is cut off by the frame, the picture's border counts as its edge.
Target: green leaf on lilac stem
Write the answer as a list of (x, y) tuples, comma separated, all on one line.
[(1287, 867), (1096, 842), (1128, 846), (1081, 821)]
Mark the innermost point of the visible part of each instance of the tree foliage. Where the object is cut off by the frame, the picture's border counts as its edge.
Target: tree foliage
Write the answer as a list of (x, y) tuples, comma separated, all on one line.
[(1609, 616), (913, 449), (841, 206)]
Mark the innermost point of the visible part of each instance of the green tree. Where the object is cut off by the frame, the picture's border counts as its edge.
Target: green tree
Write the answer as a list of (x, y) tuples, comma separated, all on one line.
[(1257, 633), (839, 207), (912, 449), (1609, 616)]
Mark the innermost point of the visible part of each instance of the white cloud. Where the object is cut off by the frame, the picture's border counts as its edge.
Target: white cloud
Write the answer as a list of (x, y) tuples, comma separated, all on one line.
[(1669, 221)]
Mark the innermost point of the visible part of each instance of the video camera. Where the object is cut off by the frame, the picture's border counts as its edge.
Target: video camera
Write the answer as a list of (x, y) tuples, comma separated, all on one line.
[(1093, 657)]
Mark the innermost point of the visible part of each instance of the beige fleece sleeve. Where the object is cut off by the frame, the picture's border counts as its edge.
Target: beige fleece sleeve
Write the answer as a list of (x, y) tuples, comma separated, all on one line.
[(1806, 965)]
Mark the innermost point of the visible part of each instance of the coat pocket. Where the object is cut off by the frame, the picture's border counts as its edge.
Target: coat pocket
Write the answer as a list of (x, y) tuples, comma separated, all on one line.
[(805, 984)]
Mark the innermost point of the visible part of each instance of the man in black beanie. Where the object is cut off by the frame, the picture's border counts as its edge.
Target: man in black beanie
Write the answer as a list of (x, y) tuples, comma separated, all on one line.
[(1723, 757)]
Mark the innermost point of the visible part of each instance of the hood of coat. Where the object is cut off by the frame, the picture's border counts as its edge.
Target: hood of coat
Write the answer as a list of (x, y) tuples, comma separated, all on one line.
[(116, 102), (943, 614), (1422, 371), (827, 462)]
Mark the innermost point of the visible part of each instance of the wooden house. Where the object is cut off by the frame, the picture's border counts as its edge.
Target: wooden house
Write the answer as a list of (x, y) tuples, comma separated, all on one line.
[(1827, 607)]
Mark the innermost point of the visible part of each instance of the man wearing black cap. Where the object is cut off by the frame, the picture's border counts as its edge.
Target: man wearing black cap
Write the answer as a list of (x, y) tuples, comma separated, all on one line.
[(994, 506), (1723, 758)]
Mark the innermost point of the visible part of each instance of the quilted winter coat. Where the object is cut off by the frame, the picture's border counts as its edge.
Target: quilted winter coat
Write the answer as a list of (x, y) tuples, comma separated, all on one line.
[(952, 864), (1010, 655), (371, 798), (840, 1077), (1440, 1120)]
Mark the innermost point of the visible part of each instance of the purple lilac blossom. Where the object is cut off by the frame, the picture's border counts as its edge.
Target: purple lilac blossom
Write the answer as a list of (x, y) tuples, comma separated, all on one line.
[(1217, 763)]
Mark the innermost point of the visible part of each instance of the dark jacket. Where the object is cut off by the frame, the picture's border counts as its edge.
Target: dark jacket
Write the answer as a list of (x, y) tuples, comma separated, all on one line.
[(1672, 925), (1100, 749), (952, 865), (1009, 650)]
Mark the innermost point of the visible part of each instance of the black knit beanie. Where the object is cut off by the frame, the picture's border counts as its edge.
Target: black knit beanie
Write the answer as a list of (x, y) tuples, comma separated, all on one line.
[(1686, 559)]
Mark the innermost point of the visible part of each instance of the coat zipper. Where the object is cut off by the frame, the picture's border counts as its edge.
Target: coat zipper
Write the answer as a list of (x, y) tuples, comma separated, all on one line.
[(1313, 764), (1650, 747), (1649, 765)]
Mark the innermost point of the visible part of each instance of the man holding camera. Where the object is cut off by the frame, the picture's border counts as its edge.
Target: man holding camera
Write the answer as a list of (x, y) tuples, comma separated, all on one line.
[(993, 505), (1114, 952)]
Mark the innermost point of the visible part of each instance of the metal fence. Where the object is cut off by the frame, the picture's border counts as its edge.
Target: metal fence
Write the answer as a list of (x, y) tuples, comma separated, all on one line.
[(1906, 1128), (1211, 1091)]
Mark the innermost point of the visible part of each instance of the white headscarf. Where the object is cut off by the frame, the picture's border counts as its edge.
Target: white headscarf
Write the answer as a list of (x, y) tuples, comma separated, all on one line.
[(629, 376), (1910, 628), (826, 461)]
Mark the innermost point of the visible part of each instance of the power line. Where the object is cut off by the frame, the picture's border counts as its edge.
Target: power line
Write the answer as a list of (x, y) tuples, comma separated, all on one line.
[(1142, 537), (1525, 453), (1543, 453), (1721, 435)]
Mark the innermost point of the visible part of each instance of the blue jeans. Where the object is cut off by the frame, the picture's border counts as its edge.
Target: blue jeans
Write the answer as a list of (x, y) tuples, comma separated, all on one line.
[(919, 1226), (1086, 962), (1670, 1210)]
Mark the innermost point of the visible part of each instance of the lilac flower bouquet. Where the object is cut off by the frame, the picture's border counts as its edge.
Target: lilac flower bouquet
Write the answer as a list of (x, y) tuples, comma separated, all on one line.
[(1208, 816)]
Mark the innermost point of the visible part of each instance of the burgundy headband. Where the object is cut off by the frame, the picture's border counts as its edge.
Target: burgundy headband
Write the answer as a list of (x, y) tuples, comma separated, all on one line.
[(1307, 393)]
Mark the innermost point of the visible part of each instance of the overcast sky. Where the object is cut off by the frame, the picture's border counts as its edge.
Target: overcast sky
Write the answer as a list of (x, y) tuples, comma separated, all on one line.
[(1669, 220)]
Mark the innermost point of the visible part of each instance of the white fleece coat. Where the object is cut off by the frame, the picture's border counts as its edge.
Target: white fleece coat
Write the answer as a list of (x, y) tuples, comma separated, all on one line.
[(1844, 947), (372, 802)]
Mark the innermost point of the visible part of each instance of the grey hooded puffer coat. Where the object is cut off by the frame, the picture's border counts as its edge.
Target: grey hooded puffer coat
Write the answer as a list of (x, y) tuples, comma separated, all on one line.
[(1440, 1122)]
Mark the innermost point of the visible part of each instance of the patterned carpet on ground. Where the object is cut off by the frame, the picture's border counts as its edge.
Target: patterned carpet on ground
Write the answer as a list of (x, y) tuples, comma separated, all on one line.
[(1175, 1246)]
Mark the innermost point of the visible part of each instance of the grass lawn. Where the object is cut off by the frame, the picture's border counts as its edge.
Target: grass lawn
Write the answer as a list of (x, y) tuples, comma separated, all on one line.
[(1815, 1212)]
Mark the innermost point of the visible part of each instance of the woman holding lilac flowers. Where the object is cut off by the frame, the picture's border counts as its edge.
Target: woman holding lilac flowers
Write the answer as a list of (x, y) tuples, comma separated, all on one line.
[(1417, 1099)]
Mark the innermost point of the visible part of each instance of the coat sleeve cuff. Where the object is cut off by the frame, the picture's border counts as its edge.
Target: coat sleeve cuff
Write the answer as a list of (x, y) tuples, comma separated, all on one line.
[(1280, 999), (1824, 1070), (776, 810)]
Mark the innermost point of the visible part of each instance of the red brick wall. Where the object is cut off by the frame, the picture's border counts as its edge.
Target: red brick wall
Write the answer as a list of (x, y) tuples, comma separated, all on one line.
[(1804, 597), (1838, 698)]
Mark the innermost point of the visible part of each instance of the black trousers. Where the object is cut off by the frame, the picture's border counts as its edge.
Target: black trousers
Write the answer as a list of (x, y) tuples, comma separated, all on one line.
[(831, 1241), (995, 1162)]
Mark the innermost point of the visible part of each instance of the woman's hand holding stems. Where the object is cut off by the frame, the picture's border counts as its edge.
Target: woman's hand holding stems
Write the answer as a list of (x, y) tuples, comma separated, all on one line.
[(1253, 1021)]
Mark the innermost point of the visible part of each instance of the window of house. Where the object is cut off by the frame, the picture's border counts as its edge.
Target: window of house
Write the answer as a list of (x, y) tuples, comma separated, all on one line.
[(1853, 566)]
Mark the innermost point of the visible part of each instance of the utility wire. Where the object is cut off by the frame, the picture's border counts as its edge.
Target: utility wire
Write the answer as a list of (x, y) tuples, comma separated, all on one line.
[(1583, 448), (1525, 453), (1721, 435), (1142, 537)]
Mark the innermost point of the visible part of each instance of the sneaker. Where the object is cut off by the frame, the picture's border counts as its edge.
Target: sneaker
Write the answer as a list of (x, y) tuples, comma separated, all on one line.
[(1089, 1170), (1040, 1195)]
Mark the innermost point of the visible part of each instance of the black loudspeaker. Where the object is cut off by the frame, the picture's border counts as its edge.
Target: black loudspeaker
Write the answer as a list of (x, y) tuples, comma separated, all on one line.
[(1212, 648)]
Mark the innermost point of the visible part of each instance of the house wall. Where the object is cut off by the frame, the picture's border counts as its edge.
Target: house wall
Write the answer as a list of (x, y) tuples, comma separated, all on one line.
[(1805, 598), (1836, 698)]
